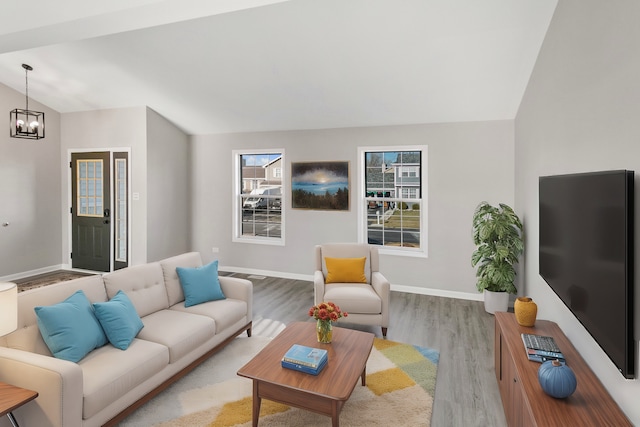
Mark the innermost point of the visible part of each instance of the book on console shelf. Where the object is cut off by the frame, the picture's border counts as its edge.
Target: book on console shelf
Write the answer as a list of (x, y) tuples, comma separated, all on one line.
[(305, 359)]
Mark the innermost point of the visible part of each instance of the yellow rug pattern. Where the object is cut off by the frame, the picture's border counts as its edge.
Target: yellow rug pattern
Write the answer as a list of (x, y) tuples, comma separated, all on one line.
[(401, 380)]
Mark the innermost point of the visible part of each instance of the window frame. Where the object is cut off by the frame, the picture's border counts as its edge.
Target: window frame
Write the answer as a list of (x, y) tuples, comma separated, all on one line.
[(422, 251), (236, 204)]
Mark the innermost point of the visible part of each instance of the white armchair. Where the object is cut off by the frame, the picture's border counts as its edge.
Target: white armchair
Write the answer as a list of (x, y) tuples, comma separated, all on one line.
[(366, 303)]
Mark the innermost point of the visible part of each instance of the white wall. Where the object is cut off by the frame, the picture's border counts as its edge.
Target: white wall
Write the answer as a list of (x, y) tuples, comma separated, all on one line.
[(581, 112), (168, 199), (102, 130), (468, 163), (29, 192)]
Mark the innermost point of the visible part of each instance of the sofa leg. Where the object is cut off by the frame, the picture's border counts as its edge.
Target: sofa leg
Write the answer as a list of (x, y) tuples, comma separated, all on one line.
[(384, 332), (249, 332)]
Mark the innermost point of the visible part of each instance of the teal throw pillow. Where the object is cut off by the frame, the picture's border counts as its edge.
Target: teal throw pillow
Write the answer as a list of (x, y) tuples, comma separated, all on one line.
[(119, 320), (200, 284), (70, 328)]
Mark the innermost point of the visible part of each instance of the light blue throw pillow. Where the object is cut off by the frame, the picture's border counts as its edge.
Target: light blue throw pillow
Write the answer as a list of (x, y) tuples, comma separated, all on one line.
[(70, 328), (200, 284), (119, 320)]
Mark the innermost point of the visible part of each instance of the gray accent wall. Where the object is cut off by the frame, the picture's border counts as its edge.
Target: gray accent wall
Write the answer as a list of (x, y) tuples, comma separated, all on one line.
[(467, 163), (168, 206), (580, 113), (29, 192)]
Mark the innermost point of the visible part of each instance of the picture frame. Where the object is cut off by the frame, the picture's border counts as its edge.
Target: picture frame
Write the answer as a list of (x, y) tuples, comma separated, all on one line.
[(323, 185)]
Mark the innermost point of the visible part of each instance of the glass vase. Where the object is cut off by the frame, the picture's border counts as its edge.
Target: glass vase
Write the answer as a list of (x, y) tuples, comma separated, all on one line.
[(324, 331)]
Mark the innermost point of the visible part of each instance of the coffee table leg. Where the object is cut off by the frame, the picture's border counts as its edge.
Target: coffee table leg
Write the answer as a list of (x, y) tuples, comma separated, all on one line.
[(256, 404), (364, 376), (335, 414)]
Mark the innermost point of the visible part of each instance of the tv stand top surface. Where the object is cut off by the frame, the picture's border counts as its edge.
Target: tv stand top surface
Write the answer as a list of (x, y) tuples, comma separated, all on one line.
[(590, 404)]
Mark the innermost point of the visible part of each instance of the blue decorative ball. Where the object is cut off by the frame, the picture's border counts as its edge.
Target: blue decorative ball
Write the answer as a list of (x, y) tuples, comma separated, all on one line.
[(557, 379)]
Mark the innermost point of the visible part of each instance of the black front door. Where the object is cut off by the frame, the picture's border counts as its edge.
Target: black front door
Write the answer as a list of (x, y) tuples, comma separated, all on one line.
[(90, 210)]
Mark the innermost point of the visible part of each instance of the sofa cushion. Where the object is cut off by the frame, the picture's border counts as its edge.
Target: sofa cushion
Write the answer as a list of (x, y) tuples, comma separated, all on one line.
[(345, 270), (354, 298), (344, 250), (70, 328), (171, 280), (109, 373), (200, 284), (28, 336), (143, 284), (224, 312), (119, 320), (180, 332)]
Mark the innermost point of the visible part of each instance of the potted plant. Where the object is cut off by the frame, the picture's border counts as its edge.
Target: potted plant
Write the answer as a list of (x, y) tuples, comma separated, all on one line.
[(497, 233)]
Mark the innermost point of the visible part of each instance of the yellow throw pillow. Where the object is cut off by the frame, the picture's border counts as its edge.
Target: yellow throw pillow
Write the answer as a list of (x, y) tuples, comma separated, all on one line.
[(345, 270)]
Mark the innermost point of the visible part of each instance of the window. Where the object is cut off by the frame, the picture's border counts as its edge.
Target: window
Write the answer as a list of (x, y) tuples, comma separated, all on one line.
[(393, 209), (258, 201), (90, 196), (120, 214)]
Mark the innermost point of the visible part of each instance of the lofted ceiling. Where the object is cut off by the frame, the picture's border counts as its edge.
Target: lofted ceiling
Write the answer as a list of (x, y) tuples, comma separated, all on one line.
[(214, 66)]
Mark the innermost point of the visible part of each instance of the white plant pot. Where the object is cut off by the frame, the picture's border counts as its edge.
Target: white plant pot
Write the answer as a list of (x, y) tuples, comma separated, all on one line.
[(495, 301)]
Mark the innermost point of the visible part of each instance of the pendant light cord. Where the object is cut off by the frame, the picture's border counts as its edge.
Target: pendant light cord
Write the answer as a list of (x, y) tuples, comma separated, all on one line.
[(26, 84)]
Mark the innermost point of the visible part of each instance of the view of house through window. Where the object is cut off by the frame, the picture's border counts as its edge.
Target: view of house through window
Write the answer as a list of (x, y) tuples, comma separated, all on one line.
[(260, 195), (394, 197)]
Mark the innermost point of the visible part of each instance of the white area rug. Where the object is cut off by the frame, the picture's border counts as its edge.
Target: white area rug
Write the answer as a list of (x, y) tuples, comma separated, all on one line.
[(197, 390)]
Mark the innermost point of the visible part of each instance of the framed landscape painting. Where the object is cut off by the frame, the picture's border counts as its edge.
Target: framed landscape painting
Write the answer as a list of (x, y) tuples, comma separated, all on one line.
[(320, 185)]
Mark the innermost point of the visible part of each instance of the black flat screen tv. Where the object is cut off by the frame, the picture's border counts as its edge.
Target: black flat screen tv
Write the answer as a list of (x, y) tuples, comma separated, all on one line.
[(586, 255)]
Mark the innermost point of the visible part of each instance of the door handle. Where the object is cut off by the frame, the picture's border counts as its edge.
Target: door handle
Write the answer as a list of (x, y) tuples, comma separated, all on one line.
[(106, 214)]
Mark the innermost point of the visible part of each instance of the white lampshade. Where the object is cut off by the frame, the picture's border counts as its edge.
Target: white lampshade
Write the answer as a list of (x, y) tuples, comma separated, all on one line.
[(8, 308)]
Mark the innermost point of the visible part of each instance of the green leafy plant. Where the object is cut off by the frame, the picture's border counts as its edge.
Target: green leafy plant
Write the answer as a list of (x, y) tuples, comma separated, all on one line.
[(497, 233)]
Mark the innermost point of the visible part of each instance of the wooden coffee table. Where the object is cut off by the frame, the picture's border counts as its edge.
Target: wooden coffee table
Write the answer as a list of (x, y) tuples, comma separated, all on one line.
[(325, 393)]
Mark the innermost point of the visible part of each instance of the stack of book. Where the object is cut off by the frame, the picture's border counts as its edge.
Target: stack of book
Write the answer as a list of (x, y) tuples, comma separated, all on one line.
[(541, 348), (305, 359)]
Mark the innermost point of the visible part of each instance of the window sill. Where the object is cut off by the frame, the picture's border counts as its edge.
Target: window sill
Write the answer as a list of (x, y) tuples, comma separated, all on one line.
[(259, 241), (402, 252)]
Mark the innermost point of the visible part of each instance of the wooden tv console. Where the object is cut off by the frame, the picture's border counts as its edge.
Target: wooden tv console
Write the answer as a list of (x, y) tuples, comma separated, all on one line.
[(526, 404)]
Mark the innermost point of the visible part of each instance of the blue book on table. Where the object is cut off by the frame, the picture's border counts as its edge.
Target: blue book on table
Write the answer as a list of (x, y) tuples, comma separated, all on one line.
[(307, 356)]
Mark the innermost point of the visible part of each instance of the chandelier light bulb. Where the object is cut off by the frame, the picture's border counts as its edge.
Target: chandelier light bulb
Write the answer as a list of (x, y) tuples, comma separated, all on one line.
[(34, 125)]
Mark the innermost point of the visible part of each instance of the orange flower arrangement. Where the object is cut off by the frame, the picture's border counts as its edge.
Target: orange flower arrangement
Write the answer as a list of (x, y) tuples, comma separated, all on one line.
[(327, 311)]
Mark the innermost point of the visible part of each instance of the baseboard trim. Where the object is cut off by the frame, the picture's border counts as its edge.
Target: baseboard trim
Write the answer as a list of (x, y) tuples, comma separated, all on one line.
[(270, 273), (397, 288), (437, 292), (30, 273)]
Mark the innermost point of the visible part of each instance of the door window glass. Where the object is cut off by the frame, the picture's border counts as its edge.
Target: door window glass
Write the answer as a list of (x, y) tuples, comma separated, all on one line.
[(90, 197), (120, 217)]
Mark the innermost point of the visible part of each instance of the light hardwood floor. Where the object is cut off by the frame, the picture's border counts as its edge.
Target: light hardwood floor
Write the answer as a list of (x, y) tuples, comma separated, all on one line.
[(466, 389)]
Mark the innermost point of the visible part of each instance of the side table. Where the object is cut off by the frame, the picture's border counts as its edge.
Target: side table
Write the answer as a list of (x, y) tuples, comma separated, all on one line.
[(11, 398)]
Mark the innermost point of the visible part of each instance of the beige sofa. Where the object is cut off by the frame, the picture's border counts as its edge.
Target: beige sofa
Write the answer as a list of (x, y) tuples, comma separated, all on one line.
[(109, 383)]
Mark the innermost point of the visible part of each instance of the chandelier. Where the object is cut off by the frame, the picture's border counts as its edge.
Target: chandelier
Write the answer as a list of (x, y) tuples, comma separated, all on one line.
[(26, 123)]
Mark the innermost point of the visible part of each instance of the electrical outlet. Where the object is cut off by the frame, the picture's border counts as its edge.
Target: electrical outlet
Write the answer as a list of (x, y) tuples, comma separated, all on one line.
[(215, 250)]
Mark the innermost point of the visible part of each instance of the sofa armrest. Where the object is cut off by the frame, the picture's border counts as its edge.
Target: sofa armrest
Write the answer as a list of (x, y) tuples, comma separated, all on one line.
[(241, 289), (58, 383), (383, 288), (318, 287)]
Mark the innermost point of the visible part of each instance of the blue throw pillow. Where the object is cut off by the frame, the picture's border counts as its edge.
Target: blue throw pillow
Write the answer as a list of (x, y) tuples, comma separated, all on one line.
[(200, 284), (119, 320), (70, 328)]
